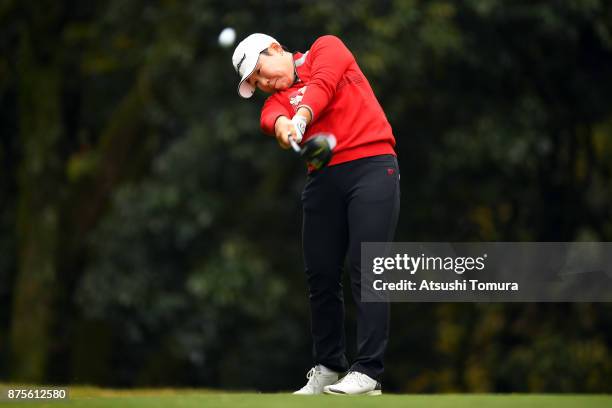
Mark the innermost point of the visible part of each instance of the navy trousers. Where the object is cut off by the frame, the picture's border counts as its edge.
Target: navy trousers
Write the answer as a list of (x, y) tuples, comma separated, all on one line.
[(345, 205)]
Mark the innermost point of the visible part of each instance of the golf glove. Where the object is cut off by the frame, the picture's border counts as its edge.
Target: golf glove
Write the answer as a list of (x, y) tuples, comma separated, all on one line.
[(299, 122)]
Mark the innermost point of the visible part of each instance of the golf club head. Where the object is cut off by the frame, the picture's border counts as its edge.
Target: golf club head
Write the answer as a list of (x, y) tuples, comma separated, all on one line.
[(317, 151)]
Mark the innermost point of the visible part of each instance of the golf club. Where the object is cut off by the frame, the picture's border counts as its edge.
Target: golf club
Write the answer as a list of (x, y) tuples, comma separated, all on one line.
[(317, 150)]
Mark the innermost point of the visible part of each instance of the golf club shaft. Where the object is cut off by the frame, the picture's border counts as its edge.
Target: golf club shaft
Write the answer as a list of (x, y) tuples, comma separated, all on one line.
[(294, 144)]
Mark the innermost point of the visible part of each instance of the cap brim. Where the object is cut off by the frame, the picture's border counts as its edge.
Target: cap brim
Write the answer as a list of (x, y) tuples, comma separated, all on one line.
[(245, 89)]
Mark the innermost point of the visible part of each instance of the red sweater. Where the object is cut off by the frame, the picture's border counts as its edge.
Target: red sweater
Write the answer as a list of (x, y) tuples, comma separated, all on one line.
[(340, 99)]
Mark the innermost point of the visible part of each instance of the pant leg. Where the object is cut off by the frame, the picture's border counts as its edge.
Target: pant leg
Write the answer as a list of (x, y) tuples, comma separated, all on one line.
[(373, 210), (325, 239)]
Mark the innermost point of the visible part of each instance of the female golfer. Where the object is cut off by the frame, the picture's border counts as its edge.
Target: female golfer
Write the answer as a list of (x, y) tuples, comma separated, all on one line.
[(354, 199)]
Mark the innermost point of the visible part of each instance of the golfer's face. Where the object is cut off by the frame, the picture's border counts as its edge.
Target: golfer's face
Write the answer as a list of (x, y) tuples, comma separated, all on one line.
[(273, 72)]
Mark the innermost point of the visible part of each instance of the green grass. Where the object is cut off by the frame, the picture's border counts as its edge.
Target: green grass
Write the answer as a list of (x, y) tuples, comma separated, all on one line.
[(99, 398)]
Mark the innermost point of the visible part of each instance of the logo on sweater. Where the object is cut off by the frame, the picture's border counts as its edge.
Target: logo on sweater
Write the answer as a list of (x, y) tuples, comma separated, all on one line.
[(296, 98)]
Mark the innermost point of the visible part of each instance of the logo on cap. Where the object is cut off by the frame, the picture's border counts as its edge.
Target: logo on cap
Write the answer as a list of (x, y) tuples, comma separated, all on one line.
[(240, 63)]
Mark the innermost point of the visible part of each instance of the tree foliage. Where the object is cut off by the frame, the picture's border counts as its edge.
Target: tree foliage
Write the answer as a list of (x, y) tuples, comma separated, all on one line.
[(150, 233)]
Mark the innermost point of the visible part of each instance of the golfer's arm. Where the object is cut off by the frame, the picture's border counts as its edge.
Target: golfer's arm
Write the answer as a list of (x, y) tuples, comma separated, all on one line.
[(272, 110), (330, 60)]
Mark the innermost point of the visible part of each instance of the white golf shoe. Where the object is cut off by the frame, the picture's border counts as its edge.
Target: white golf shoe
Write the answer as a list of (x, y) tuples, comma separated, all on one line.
[(316, 381), (354, 383)]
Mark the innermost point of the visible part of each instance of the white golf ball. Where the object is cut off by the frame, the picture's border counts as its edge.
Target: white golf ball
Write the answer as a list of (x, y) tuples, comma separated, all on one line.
[(227, 37)]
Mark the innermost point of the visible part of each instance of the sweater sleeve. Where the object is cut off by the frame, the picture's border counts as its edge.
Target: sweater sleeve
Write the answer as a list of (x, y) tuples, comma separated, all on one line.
[(272, 109), (330, 59)]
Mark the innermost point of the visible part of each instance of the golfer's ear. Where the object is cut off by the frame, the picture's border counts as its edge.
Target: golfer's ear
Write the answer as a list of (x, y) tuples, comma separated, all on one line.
[(275, 48)]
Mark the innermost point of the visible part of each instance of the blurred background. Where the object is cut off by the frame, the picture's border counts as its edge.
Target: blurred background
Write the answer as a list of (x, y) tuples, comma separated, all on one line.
[(150, 233)]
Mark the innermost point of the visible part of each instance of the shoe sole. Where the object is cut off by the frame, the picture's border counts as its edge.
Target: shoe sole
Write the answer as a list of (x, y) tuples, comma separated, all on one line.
[(372, 393)]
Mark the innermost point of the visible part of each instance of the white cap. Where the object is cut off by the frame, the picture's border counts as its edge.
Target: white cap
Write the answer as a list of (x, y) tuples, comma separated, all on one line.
[(245, 59)]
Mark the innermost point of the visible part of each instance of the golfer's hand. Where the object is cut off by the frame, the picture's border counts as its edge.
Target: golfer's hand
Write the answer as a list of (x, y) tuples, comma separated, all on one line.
[(282, 129)]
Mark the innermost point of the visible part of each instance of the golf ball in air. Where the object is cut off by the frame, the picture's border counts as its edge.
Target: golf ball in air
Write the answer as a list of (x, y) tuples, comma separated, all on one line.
[(227, 37)]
